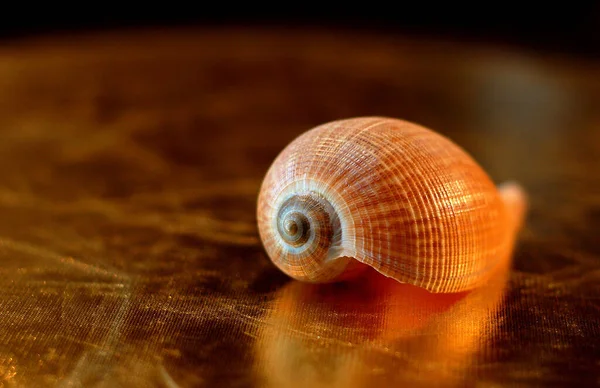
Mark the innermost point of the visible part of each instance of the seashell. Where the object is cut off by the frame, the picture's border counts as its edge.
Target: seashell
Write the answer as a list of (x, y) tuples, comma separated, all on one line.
[(388, 194)]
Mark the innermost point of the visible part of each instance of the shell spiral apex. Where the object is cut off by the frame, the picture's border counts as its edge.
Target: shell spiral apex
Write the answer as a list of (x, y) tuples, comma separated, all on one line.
[(387, 194)]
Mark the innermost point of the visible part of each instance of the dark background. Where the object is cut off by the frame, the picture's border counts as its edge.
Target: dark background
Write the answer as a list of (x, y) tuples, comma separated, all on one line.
[(571, 28)]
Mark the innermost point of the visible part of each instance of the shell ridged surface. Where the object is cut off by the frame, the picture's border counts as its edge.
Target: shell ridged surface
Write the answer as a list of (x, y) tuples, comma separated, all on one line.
[(388, 194)]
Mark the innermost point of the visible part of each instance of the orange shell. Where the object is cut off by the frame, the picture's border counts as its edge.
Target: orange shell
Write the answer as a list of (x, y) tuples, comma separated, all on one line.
[(390, 194)]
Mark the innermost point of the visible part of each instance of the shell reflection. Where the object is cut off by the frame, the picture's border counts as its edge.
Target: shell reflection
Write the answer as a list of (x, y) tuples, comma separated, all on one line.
[(374, 330)]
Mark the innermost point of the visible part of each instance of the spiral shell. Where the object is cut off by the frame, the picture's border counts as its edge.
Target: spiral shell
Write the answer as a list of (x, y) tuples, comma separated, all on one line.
[(387, 194)]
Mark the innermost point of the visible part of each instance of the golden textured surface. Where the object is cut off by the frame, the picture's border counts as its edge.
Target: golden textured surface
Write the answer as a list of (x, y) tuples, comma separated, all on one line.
[(131, 165), (390, 194)]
